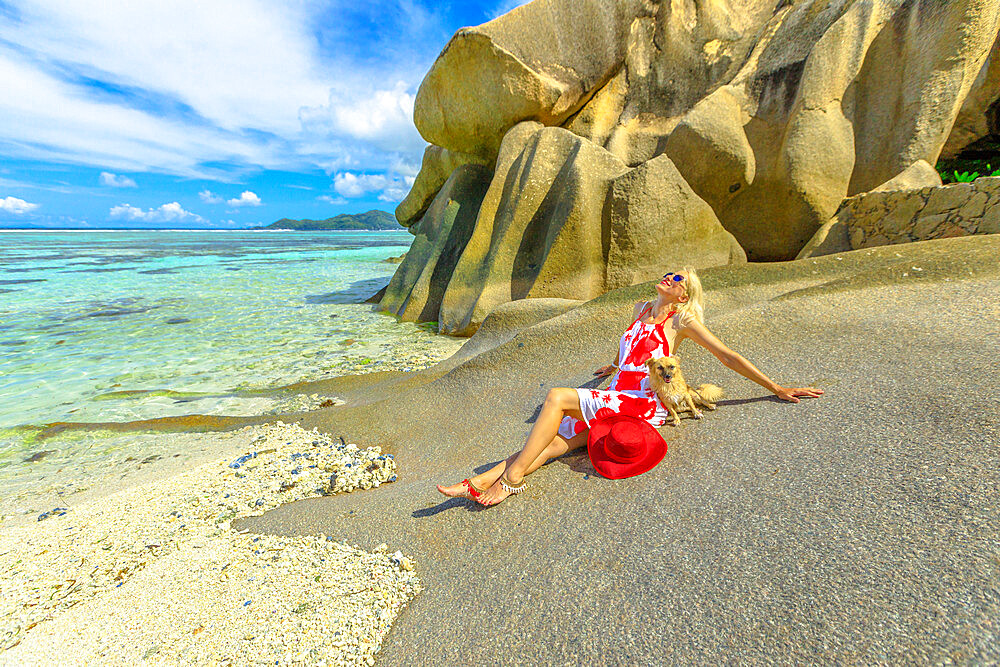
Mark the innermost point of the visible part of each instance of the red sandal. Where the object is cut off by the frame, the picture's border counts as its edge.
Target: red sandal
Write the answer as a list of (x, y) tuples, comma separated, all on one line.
[(474, 490)]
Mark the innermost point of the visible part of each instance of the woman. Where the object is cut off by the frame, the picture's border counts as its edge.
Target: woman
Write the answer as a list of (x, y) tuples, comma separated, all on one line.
[(562, 425)]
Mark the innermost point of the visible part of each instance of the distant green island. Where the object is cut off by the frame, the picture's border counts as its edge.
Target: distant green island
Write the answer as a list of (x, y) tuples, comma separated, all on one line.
[(372, 220)]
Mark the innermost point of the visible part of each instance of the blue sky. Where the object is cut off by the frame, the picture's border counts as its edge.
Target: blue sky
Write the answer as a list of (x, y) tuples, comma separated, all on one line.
[(213, 113)]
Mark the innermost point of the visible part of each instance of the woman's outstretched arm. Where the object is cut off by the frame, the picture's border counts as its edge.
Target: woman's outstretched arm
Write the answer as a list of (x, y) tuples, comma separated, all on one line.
[(697, 332)]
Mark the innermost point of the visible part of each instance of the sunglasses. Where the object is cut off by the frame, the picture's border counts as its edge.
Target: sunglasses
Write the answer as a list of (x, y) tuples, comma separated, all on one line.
[(676, 277)]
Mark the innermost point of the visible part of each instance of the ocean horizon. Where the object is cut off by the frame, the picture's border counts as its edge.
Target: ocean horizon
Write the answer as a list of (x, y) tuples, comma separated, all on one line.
[(194, 229)]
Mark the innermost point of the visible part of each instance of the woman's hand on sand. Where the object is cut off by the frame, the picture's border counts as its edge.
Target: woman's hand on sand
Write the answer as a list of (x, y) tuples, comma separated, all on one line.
[(604, 371), (792, 393)]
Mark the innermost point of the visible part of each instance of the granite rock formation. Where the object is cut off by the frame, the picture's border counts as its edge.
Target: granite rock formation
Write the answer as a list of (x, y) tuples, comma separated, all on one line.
[(625, 136), (980, 113), (418, 285)]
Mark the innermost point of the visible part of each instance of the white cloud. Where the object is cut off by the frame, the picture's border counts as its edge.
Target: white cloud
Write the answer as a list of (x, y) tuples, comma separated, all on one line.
[(216, 90), (336, 201), (382, 113), (246, 199), (352, 185), (379, 118), (237, 63), (210, 197), (16, 206), (115, 181), (408, 170), (393, 194), (391, 186), (277, 94), (172, 212), (48, 119)]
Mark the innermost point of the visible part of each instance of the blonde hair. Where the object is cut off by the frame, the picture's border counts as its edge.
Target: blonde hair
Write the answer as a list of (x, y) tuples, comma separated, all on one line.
[(694, 306)]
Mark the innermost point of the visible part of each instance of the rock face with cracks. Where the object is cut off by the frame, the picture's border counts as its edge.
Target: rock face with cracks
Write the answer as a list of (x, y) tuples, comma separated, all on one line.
[(620, 138)]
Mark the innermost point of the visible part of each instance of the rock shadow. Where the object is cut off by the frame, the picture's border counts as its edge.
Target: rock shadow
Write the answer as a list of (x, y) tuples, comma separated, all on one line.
[(357, 292)]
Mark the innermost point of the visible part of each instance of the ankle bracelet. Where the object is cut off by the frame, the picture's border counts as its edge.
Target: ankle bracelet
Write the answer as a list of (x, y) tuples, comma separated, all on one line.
[(510, 487)]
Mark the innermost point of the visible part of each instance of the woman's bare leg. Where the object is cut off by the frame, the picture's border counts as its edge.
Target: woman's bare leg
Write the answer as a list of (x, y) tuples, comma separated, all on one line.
[(558, 403), (555, 449), (485, 480), (557, 446)]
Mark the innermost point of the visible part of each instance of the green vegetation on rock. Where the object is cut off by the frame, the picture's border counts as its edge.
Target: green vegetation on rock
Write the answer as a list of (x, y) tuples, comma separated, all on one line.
[(974, 161), (372, 220)]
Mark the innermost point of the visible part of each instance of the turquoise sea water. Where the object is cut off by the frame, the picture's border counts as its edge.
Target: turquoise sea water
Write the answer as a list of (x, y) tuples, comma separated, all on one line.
[(125, 325)]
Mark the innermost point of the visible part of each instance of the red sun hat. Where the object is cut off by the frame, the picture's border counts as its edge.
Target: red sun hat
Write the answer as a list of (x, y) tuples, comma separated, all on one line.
[(624, 446)]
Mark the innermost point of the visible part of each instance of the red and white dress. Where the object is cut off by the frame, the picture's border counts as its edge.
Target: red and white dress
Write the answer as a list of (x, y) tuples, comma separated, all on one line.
[(629, 391)]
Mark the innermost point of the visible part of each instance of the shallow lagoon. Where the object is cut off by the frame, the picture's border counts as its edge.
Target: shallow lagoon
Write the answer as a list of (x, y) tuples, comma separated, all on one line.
[(116, 326)]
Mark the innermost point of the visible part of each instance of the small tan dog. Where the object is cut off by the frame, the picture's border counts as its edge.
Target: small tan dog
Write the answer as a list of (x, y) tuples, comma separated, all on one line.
[(666, 379)]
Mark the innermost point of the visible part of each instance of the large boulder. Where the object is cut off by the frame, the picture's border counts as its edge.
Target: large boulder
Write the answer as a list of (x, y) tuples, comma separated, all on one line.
[(769, 112), (562, 217), (675, 54), (539, 231), (539, 62), (916, 75), (417, 287), (841, 100), (656, 222), (435, 169), (711, 149), (980, 113)]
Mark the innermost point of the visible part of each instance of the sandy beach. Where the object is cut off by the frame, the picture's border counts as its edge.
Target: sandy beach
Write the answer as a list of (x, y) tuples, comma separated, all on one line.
[(856, 527)]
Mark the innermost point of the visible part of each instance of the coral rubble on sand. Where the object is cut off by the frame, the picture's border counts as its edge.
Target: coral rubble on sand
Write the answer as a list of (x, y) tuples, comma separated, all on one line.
[(155, 570)]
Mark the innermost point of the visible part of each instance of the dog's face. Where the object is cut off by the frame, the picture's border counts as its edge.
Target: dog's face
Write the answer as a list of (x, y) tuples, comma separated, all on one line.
[(664, 368)]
